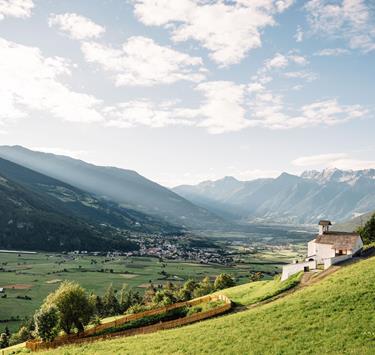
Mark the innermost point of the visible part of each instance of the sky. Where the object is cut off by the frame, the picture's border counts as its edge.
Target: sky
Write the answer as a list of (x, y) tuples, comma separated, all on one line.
[(190, 90)]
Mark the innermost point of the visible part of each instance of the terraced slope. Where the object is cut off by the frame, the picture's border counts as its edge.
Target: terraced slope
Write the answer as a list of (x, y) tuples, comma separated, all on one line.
[(334, 316)]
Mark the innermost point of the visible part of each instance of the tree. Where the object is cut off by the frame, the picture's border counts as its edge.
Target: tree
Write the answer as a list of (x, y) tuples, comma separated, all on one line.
[(7, 331), (98, 306), (22, 335), (149, 294), (73, 304), (223, 281), (255, 276), (205, 287), (187, 291), (367, 232), (4, 341), (46, 323), (164, 297), (128, 298), (110, 302)]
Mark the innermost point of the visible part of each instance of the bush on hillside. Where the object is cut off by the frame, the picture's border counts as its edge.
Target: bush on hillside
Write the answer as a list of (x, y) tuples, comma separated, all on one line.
[(367, 232), (110, 302), (128, 298), (4, 340), (224, 281), (46, 323)]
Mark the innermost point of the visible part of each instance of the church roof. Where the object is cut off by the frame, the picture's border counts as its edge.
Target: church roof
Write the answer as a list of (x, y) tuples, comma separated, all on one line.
[(324, 222), (338, 240)]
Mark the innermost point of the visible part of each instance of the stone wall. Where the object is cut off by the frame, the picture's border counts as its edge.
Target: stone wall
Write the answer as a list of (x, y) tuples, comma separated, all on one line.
[(291, 269)]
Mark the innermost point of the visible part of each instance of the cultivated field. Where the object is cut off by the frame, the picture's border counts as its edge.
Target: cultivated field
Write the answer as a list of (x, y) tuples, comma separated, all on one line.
[(333, 316), (36, 275)]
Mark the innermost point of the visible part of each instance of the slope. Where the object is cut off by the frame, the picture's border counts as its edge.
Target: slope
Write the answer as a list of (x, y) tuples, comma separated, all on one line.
[(334, 316), (331, 194), (125, 187), (78, 203), (37, 212), (354, 223)]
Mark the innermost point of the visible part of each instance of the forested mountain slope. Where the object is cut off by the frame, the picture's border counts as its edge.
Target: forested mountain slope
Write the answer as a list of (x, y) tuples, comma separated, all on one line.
[(38, 212), (125, 187)]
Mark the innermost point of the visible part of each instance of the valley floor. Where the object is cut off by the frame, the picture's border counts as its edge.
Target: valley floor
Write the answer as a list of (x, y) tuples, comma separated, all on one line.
[(332, 316)]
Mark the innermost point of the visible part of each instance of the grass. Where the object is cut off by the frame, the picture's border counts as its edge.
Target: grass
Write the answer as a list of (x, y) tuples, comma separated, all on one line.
[(255, 292), (44, 272), (334, 316)]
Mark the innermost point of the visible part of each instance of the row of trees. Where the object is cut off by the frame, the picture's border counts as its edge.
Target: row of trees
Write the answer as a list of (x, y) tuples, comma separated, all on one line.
[(70, 308)]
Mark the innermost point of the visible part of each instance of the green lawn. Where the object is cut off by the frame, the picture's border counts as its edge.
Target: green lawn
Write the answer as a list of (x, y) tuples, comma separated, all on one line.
[(254, 292), (334, 316)]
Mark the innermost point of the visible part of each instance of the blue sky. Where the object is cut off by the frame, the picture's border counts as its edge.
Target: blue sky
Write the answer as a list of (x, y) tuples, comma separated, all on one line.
[(188, 90)]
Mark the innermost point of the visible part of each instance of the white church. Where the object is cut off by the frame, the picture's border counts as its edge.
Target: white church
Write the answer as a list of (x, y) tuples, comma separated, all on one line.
[(328, 248)]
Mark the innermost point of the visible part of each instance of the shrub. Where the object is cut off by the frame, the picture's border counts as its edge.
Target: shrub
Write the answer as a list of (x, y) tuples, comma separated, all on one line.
[(110, 302), (223, 281), (46, 323), (22, 335), (367, 232), (194, 309), (4, 340), (205, 287)]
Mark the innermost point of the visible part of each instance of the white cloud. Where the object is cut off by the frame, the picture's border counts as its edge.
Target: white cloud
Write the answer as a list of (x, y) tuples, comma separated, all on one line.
[(334, 160), (350, 20), (354, 164), (299, 34), (278, 61), (30, 81), (76, 26), (304, 75), (145, 113), (330, 112), (141, 61), (319, 160), (229, 30), (268, 110), (331, 52), (222, 109), (16, 8)]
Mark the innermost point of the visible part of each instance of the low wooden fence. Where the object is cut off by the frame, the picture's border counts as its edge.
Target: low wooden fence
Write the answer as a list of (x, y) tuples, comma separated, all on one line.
[(87, 336)]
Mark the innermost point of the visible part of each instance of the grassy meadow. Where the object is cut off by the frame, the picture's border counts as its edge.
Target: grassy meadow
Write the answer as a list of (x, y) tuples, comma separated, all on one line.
[(36, 275), (254, 292), (334, 316)]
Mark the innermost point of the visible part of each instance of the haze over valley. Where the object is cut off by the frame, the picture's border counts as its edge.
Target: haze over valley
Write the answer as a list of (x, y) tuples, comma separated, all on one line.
[(187, 177)]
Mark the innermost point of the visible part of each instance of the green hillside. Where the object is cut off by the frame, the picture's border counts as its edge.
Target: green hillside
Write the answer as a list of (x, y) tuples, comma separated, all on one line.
[(41, 213), (124, 187), (334, 316), (354, 223)]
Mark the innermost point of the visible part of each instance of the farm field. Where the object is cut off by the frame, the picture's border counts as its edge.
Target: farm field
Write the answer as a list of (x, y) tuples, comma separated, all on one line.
[(334, 316), (36, 275)]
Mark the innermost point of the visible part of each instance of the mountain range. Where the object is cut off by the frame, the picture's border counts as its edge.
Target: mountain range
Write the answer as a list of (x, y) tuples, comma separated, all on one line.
[(124, 187), (331, 194), (39, 212), (54, 202)]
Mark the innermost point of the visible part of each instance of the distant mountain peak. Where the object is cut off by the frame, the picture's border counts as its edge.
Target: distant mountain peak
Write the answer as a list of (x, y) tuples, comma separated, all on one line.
[(338, 175)]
